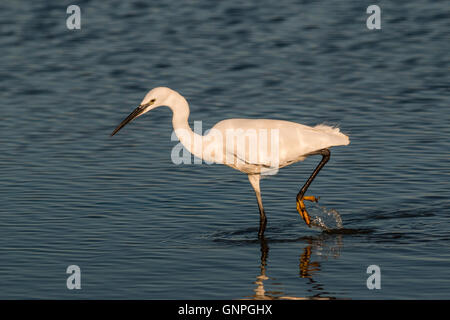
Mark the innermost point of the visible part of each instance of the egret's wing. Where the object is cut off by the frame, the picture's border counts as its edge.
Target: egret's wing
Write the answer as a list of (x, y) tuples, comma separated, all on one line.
[(274, 143)]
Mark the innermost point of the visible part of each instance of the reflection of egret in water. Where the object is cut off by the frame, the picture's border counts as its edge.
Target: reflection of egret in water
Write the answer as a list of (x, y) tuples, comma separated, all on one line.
[(323, 246), (308, 268), (260, 293)]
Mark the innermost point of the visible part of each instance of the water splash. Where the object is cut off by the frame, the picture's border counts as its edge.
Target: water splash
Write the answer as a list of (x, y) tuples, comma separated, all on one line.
[(326, 219)]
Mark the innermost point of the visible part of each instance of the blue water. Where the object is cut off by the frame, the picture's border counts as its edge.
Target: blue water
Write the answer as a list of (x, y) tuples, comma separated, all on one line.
[(141, 227)]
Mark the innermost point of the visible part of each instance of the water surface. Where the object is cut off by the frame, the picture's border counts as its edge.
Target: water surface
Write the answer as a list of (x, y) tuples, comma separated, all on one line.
[(140, 227)]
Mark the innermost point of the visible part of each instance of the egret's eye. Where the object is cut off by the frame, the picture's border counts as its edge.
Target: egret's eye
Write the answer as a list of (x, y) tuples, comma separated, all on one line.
[(148, 103)]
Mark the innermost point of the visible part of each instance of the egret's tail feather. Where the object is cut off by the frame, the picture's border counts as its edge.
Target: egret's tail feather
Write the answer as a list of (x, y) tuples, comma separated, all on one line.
[(337, 138)]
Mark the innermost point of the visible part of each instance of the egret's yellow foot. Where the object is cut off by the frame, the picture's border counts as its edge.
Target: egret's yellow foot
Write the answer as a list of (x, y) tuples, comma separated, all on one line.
[(302, 209), (311, 198)]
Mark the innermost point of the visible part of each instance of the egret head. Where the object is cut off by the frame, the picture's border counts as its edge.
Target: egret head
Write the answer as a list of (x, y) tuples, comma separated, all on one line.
[(156, 97)]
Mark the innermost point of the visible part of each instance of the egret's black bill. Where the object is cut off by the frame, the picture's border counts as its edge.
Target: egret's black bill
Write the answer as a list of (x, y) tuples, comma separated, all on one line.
[(136, 113)]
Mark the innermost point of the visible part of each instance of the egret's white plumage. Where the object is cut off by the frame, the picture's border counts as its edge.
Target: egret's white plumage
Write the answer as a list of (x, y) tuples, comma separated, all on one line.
[(293, 142)]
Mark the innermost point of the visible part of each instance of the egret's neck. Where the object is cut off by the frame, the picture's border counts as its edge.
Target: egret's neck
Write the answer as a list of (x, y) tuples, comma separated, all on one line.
[(190, 140)]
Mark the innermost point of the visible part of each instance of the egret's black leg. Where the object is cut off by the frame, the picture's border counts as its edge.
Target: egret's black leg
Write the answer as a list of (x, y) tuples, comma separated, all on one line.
[(262, 219), (254, 181), (301, 195)]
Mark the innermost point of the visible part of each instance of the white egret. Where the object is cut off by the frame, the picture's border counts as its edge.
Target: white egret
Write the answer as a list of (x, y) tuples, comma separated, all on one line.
[(293, 142)]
